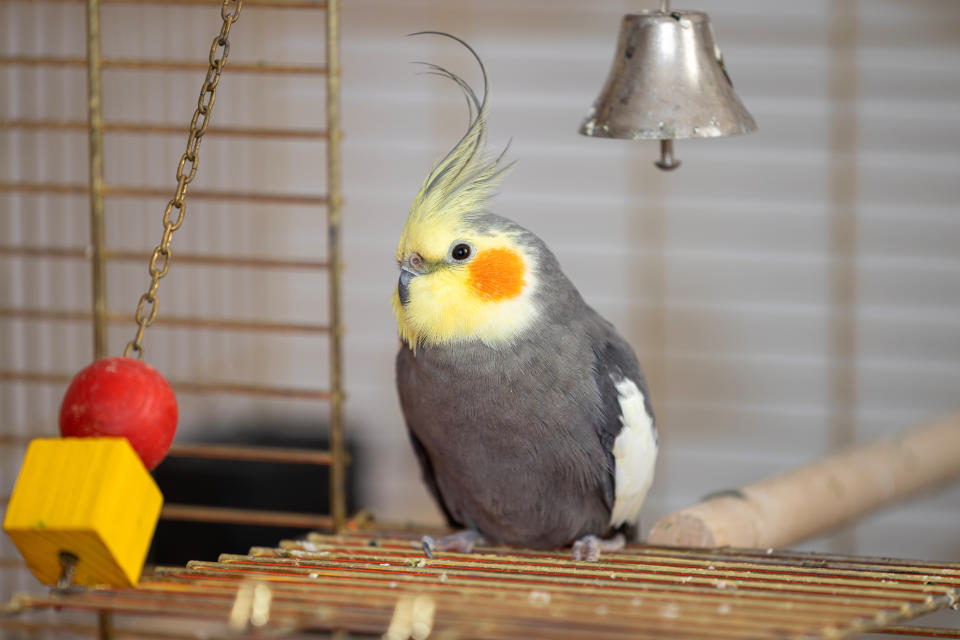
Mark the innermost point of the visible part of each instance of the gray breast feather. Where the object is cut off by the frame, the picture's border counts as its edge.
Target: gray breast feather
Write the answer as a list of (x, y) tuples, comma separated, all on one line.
[(519, 442)]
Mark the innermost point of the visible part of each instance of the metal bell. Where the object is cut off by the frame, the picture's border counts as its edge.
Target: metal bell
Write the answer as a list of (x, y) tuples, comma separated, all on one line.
[(667, 81)]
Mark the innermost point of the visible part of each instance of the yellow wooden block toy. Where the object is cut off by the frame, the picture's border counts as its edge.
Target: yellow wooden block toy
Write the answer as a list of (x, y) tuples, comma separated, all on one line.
[(91, 497)]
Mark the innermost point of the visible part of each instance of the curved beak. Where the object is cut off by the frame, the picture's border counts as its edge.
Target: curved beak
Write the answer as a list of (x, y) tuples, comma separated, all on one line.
[(403, 286)]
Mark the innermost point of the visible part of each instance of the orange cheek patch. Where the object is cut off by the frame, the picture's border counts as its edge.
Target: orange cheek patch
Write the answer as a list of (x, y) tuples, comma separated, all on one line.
[(497, 274)]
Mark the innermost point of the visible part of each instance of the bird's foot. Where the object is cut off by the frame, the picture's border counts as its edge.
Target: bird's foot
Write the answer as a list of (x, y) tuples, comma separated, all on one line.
[(589, 547), (462, 542)]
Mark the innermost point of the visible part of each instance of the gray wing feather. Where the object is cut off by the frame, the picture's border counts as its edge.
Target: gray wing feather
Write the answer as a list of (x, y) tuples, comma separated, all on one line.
[(614, 360), (429, 478)]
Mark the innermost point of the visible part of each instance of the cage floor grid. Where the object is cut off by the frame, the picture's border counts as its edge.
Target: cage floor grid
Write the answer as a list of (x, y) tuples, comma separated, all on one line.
[(381, 584)]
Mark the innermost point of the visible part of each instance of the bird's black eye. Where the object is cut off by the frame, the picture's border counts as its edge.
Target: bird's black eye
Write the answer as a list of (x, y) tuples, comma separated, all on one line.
[(460, 252)]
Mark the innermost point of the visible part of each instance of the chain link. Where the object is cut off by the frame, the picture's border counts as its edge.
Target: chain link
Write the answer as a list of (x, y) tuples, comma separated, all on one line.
[(186, 172)]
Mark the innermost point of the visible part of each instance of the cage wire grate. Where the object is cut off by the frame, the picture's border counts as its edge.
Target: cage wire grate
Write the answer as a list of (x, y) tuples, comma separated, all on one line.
[(328, 266), (380, 583)]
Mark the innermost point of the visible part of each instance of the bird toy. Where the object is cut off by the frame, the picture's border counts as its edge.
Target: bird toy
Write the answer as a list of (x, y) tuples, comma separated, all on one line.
[(84, 508), (122, 397)]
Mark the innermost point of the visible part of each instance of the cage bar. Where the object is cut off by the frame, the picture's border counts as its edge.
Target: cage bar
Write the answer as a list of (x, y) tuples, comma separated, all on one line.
[(204, 259), (160, 65), (191, 387), (145, 128), (120, 191), (338, 490), (225, 515), (220, 452), (95, 144), (221, 324), (250, 454), (262, 4)]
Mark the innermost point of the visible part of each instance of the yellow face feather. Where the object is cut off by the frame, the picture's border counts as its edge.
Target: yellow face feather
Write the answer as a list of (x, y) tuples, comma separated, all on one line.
[(486, 297)]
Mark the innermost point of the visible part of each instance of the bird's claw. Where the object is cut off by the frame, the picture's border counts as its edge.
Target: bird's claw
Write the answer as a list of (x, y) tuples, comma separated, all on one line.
[(427, 543), (462, 541), (588, 548)]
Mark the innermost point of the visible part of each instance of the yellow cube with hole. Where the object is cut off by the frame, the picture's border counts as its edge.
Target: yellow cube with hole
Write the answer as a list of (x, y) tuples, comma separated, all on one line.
[(91, 497)]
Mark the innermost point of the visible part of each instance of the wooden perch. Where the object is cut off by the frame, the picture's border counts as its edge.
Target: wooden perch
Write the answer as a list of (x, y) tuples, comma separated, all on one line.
[(816, 498)]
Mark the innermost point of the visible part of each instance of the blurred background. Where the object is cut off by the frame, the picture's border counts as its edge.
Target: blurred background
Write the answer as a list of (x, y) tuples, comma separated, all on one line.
[(789, 292)]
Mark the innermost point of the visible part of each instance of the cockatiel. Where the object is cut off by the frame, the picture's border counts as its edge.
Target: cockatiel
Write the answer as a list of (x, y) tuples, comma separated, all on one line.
[(527, 411)]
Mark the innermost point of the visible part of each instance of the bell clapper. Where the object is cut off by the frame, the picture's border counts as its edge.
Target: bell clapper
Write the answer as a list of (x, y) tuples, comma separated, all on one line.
[(667, 162)]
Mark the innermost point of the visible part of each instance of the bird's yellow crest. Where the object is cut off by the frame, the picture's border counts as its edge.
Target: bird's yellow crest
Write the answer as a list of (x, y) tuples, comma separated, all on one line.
[(461, 279), (463, 180)]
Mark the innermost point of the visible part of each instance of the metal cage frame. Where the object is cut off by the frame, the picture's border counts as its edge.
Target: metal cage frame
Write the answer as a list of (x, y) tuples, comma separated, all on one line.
[(99, 255)]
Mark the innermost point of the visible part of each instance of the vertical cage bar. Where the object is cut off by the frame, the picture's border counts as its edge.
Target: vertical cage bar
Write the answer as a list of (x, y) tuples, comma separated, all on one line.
[(842, 238), (338, 489), (95, 143), (104, 625)]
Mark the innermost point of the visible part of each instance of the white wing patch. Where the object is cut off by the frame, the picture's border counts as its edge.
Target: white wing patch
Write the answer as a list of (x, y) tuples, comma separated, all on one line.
[(634, 453)]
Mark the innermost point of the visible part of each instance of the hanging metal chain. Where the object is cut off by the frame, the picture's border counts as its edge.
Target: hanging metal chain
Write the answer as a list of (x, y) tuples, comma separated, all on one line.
[(186, 172)]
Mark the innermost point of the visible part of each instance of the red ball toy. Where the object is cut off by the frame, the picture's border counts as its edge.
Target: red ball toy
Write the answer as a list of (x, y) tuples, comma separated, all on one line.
[(122, 397)]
